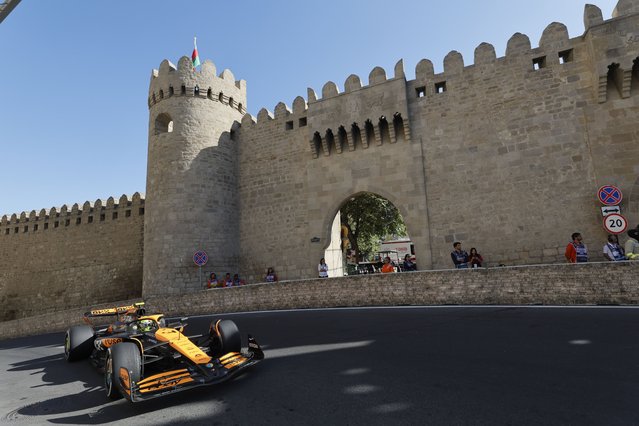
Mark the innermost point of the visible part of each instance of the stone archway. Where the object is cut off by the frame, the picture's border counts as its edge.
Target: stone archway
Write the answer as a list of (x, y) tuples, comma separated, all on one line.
[(333, 238)]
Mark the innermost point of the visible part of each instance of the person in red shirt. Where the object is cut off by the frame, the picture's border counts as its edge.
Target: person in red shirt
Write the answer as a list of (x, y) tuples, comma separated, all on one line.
[(387, 266), (576, 251)]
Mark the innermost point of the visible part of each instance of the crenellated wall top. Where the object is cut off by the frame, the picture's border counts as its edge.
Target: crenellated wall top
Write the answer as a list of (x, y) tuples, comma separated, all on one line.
[(183, 80), (132, 203)]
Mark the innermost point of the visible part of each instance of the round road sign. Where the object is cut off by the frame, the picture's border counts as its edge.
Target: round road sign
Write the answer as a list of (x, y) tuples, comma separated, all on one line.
[(609, 195), (615, 223), (200, 258)]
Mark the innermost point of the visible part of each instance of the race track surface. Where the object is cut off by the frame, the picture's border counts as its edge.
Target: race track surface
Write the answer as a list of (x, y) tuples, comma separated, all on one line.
[(376, 366)]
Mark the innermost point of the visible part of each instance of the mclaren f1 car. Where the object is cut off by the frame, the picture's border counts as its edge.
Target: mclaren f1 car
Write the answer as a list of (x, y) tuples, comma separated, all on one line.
[(144, 356)]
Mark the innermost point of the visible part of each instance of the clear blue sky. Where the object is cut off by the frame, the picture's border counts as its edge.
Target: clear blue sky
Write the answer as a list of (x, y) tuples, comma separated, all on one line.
[(75, 73)]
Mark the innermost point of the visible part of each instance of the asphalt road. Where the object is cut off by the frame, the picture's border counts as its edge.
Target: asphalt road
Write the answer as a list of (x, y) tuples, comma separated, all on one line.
[(378, 366)]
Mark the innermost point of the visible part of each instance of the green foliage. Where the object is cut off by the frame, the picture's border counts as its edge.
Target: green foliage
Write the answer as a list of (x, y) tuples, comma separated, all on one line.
[(369, 219)]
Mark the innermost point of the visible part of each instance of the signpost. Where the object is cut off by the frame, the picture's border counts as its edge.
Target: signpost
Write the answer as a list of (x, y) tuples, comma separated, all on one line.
[(200, 258), (605, 211), (615, 223), (609, 195)]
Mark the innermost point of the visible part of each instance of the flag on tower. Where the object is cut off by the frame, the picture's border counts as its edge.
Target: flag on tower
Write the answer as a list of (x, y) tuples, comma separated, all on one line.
[(194, 56)]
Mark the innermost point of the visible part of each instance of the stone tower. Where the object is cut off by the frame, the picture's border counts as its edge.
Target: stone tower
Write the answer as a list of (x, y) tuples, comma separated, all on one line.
[(191, 189)]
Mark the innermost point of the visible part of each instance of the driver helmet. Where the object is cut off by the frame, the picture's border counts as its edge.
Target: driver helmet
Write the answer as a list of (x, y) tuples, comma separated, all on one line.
[(146, 325)]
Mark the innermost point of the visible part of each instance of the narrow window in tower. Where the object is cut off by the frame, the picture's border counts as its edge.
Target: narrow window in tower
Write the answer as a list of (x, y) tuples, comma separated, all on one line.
[(196, 91), (209, 93), (240, 108), (421, 91), (565, 56), (231, 102), (46, 226), (67, 222), (56, 224), (6, 231), (634, 82), (141, 211), (302, 122), (220, 97), (163, 124), (90, 219), (102, 217), (35, 227), (161, 94), (183, 90), (16, 230), (26, 228), (539, 63), (115, 215), (127, 213), (289, 125), (78, 221), (440, 87), (170, 91)]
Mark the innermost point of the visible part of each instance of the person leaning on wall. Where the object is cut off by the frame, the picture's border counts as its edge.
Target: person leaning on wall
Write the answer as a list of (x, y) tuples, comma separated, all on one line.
[(612, 250), (632, 245), (576, 251)]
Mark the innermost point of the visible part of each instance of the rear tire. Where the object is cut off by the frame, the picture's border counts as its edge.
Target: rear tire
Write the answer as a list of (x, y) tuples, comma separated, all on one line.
[(125, 355), (78, 342), (225, 338)]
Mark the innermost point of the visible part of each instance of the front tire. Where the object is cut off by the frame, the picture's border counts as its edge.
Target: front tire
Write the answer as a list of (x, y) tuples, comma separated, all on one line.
[(123, 367), (78, 343), (225, 337)]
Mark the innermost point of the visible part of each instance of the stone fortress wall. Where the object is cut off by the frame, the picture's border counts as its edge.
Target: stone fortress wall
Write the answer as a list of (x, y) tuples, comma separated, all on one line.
[(63, 258), (505, 154)]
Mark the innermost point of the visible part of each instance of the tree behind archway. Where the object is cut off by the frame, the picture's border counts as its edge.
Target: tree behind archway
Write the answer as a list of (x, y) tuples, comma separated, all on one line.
[(370, 218)]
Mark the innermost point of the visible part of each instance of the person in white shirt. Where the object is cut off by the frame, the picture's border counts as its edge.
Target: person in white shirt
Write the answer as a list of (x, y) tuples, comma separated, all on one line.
[(612, 250), (322, 269)]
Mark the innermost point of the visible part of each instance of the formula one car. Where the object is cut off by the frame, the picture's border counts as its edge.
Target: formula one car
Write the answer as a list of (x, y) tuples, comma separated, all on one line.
[(143, 357)]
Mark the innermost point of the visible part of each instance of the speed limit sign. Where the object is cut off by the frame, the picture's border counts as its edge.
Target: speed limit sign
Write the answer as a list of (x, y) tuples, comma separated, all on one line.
[(615, 223)]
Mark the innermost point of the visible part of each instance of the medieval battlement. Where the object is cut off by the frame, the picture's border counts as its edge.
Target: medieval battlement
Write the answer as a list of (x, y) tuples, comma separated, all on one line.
[(377, 113), (170, 81), (89, 213)]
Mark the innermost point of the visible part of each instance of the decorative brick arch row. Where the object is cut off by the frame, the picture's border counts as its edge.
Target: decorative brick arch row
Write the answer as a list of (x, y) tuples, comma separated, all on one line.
[(623, 79), (384, 131)]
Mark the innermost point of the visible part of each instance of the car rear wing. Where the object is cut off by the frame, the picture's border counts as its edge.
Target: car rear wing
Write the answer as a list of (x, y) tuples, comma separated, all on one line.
[(134, 309)]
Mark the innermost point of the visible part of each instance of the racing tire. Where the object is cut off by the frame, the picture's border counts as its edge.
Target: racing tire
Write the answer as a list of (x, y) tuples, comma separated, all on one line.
[(225, 338), (78, 342), (125, 355)]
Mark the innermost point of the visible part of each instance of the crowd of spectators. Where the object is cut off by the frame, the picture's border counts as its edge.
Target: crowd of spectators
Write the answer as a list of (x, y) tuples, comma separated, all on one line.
[(576, 252), (227, 281)]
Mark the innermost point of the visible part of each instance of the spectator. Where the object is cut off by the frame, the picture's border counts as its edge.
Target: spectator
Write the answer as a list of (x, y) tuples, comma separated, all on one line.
[(237, 281), (632, 245), (408, 264), (459, 256), (387, 266), (212, 282), (612, 250), (322, 269), (576, 251), (228, 282), (271, 276), (475, 259)]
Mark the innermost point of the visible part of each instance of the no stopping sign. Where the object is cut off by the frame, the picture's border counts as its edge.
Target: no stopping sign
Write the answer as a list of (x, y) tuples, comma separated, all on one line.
[(615, 223), (200, 258)]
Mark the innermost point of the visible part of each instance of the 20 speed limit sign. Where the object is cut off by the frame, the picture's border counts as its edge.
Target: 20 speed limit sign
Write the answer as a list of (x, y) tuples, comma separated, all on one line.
[(615, 223)]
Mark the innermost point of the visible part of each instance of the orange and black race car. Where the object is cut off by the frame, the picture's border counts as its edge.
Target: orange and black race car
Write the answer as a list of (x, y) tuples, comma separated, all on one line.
[(143, 357)]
